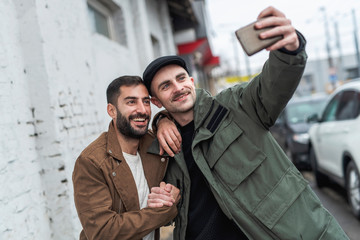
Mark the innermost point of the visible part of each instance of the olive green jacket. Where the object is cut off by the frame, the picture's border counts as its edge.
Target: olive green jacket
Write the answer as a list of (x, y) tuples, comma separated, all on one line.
[(251, 178)]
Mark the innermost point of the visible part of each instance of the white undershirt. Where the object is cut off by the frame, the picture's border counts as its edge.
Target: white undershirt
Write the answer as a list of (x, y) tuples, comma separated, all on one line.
[(136, 167)]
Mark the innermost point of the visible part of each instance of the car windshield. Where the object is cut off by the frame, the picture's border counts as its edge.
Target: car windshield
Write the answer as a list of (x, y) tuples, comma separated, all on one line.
[(298, 112)]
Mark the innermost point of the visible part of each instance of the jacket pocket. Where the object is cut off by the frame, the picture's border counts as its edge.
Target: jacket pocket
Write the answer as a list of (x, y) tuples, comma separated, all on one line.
[(280, 199), (232, 156)]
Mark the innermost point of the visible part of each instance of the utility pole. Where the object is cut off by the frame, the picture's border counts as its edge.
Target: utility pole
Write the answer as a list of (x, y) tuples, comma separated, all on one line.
[(248, 70), (327, 34), (332, 71), (356, 42), (338, 45), (236, 54)]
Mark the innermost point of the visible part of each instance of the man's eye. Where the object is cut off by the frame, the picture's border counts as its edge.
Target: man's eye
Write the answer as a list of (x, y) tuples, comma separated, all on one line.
[(131, 102), (147, 102), (165, 86)]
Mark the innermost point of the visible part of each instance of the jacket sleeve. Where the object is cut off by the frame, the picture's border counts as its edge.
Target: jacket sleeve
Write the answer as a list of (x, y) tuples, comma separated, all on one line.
[(94, 206), (265, 96), (157, 117)]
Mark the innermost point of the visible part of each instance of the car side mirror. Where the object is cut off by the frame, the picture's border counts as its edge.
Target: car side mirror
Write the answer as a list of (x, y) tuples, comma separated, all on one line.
[(312, 118)]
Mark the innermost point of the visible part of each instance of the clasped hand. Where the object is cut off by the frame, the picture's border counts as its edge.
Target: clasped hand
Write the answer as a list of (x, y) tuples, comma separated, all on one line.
[(164, 195)]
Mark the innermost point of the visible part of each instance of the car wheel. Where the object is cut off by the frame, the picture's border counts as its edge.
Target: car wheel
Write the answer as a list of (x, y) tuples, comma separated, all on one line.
[(353, 188), (320, 178)]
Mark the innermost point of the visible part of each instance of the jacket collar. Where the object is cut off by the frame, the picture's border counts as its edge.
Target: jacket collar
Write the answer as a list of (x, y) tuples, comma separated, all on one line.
[(125, 183), (112, 144), (113, 147)]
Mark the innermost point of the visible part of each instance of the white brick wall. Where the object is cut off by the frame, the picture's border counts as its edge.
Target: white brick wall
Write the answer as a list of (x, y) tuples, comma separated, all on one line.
[(53, 77)]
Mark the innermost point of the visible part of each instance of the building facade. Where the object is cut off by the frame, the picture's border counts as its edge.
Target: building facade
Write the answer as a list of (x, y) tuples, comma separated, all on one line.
[(56, 60)]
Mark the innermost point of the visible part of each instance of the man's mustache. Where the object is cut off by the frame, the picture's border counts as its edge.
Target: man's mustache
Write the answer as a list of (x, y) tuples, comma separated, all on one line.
[(145, 116)]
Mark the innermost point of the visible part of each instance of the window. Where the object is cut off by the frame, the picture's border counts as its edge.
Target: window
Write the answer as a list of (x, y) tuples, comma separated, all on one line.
[(347, 105), (357, 107), (330, 110), (106, 18), (299, 112), (100, 22)]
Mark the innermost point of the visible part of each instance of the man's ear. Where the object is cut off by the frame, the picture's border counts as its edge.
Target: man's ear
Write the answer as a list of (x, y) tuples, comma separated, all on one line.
[(111, 110), (156, 102)]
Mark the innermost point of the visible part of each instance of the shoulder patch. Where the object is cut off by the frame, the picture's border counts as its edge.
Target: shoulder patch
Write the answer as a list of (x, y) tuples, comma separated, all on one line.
[(216, 118)]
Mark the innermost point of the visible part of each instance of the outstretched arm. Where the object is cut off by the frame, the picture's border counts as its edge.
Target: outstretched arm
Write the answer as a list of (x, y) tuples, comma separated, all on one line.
[(265, 96)]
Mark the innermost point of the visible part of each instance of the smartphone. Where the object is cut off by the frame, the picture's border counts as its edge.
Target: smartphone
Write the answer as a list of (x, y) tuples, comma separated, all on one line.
[(250, 41)]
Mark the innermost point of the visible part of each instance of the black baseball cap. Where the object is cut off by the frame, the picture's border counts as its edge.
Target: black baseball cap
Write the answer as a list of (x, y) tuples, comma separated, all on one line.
[(159, 63)]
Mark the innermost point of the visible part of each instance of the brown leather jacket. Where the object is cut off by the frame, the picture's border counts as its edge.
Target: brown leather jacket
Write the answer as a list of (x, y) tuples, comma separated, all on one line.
[(105, 193)]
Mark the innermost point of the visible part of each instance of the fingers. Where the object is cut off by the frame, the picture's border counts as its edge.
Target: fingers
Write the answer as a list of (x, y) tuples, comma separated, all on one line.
[(173, 139), (169, 137), (168, 187), (152, 204), (164, 146), (281, 26), (156, 203), (160, 190), (170, 140), (270, 11), (176, 137), (175, 192), (164, 195), (162, 185), (290, 42), (159, 200)]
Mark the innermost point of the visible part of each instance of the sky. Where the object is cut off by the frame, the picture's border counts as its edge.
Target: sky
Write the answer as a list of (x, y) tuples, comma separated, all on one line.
[(307, 16)]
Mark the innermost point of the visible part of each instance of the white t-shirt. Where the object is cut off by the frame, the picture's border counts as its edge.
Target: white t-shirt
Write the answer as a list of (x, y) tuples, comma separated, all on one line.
[(136, 167)]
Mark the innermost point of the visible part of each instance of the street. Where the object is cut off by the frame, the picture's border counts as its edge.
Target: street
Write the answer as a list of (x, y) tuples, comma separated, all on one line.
[(334, 199)]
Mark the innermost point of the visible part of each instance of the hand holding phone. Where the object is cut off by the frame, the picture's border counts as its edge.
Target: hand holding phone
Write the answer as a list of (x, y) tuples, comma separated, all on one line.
[(250, 40)]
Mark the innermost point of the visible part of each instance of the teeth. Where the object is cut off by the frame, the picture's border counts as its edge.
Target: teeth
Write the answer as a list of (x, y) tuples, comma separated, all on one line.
[(139, 119)]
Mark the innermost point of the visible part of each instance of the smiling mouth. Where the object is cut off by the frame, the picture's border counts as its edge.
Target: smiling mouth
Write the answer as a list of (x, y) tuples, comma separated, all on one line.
[(180, 97), (139, 119)]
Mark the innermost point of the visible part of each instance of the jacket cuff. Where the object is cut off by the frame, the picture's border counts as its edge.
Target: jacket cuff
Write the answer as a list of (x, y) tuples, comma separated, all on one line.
[(157, 119), (302, 43)]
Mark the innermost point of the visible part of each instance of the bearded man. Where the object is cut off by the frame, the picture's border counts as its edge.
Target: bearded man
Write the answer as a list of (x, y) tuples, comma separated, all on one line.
[(112, 177)]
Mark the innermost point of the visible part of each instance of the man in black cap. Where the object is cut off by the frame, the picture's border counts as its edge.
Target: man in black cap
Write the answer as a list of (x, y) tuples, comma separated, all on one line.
[(235, 181)]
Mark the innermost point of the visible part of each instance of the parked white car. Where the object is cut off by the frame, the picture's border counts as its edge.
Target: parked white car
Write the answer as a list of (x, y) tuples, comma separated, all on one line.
[(335, 143)]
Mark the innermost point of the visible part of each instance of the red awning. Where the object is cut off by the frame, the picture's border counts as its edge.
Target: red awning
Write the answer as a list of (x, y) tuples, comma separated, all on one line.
[(202, 46), (191, 47), (213, 61)]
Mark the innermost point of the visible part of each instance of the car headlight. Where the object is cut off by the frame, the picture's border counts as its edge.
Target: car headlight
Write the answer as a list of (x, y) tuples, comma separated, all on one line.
[(301, 138)]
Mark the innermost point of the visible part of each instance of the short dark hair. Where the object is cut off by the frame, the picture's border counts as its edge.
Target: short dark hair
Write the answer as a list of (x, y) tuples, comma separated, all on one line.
[(113, 90)]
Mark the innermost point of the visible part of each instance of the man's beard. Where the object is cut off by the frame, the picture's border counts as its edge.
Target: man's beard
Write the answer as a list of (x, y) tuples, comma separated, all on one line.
[(124, 127)]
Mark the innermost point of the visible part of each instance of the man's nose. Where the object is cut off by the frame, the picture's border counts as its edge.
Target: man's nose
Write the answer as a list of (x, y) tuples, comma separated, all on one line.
[(141, 108), (178, 86)]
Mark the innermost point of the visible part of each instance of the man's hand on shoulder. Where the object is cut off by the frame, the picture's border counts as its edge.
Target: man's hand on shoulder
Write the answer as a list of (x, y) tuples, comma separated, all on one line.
[(168, 136)]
